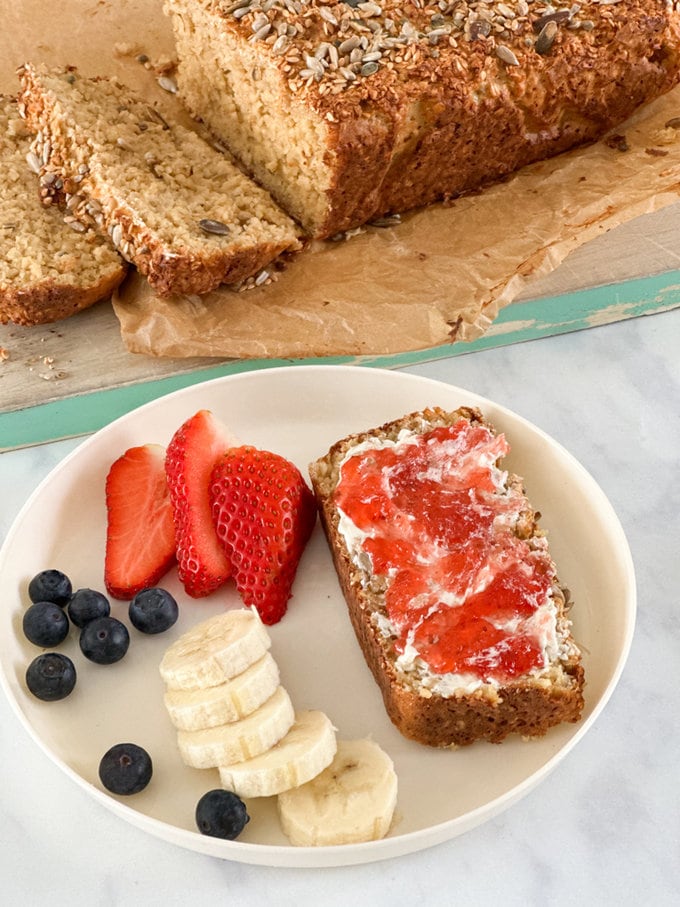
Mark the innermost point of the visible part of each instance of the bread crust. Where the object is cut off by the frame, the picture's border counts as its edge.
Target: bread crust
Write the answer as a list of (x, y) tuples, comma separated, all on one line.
[(448, 109), (528, 707), (50, 301)]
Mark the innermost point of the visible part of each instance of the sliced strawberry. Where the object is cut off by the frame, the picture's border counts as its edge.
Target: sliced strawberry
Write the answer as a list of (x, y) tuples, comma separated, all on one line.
[(264, 514), (192, 453), (140, 533)]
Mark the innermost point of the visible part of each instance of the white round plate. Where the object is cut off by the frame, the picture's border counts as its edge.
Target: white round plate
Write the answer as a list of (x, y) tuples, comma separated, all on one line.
[(299, 411)]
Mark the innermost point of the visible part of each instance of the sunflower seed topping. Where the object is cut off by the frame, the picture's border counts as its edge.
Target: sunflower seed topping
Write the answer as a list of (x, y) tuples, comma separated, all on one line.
[(333, 43), (33, 161), (389, 220), (480, 28), (155, 115), (546, 36), (561, 15), (326, 14), (506, 55), (168, 84), (116, 235), (369, 68)]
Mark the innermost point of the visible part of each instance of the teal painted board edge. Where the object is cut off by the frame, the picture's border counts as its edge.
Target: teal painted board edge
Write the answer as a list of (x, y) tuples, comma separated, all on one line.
[(517, 323)]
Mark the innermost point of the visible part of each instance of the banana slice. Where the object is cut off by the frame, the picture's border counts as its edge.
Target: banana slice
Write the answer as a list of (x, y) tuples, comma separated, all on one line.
[(240, 740), (215, 650), (193, 710), (307, 748), (352, 800)]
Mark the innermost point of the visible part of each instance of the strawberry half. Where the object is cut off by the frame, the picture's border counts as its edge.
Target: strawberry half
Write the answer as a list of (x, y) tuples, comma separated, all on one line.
[(192, 453), (264, 514), (140, 533)]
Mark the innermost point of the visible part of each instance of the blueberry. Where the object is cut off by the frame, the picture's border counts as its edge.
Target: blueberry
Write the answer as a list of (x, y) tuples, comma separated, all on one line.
[(50, 586), (104, 640), (45, 624), (125, 769), (221, 814), (153, 611), (87, 605), (51, 676)]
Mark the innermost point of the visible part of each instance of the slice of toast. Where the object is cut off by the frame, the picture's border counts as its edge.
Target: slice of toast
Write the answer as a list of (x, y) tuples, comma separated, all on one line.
[(49, 268), (173, 206), (450, 586)]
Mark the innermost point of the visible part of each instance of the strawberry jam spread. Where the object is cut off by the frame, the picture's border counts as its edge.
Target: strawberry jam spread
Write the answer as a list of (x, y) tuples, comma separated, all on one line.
[(433, 516)]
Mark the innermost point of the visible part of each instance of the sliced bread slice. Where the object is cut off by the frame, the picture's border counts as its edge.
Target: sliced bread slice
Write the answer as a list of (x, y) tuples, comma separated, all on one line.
[(451, 589), (173, 205), (49, 269)]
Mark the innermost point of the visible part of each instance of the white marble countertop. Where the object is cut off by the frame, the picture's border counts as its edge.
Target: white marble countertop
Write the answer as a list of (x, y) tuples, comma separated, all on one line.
[(604, 828)]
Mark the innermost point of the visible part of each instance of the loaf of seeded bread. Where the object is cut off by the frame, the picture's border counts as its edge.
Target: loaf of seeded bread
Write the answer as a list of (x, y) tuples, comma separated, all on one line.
[(49, 268), (346, 111), (172, 204), (494, 693)]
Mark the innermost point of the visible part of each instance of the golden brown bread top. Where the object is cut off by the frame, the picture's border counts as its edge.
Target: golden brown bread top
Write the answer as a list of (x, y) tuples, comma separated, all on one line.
[(342, 56)]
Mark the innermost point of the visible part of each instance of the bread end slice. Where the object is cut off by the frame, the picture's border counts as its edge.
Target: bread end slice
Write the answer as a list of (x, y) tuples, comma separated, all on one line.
[(48, 269), (527, 705)]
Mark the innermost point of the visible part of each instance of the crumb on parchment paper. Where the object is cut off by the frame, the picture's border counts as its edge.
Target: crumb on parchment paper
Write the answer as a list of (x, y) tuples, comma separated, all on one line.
[(164, 65)]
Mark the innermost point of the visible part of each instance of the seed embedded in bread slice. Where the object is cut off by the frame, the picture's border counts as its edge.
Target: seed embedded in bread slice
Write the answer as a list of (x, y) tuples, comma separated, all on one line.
[(449, 582), (48, 269), (349, 111), (173, 205)]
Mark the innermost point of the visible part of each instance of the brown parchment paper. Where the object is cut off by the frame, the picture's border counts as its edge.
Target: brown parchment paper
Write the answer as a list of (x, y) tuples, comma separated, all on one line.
[(441, 276)]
